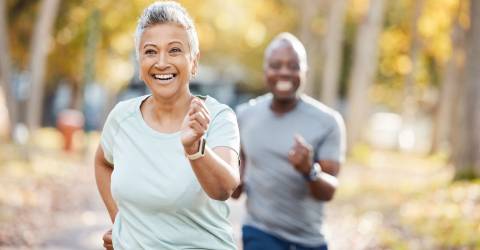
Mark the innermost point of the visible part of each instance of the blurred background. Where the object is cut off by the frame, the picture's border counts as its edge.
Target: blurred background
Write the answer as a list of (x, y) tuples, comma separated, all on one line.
[(405, 75)]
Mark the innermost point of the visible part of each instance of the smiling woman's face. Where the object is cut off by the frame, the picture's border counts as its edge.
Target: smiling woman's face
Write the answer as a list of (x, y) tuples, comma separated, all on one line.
[(165, 61)]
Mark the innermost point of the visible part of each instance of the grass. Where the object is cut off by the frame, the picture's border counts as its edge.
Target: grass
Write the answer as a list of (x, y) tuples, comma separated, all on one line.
[(419, 206)]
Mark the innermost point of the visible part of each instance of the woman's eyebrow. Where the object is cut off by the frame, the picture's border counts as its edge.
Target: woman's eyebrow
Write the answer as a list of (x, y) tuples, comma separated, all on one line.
[(149, 44), (173, 42)]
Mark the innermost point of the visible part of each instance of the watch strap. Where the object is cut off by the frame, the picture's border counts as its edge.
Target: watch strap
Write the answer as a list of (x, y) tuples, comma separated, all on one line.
[(314, 173), (201, 150)]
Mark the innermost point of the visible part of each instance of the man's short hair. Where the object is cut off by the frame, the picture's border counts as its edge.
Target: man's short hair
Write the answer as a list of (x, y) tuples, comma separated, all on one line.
[(294, 42)]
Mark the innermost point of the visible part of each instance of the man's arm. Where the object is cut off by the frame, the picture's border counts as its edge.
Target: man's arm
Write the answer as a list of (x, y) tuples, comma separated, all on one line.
[(325, 186)]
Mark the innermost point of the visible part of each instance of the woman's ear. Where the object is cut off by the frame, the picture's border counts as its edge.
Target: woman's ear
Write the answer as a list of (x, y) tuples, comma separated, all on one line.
[(195, 64)]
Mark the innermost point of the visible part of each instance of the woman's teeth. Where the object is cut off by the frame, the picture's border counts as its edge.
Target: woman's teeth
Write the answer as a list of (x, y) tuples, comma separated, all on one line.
[(163, 76), (284, 85)]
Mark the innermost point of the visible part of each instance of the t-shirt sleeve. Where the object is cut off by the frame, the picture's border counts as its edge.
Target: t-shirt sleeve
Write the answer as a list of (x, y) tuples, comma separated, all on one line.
[(333, 146), (108, 134), (239, 111), (223, 131)]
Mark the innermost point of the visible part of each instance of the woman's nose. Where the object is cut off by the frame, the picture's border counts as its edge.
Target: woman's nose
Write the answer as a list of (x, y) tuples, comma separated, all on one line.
[(162, 61)]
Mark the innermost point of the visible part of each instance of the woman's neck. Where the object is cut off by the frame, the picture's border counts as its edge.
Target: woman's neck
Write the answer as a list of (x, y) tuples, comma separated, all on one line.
[(167, 115)]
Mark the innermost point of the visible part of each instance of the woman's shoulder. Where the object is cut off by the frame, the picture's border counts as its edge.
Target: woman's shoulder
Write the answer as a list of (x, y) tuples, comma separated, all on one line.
[(126, 108), (215, 107)]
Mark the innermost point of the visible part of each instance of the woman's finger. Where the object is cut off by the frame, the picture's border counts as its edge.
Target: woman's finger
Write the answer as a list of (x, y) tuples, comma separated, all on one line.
[(201, 118), (197, 127), (199, 105)]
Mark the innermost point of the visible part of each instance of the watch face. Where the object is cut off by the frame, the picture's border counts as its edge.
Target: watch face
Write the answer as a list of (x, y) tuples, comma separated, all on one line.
[(203, 141), (314, 172)]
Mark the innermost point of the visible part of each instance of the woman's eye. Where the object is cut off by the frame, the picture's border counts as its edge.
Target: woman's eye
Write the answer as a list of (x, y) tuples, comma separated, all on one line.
[(175, 50), (150, 52)]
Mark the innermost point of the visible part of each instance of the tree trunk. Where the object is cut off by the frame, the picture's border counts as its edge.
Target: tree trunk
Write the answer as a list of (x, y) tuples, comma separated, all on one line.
[(333, 52), (449, 91), (409, 106), (5, 69), (93, 35), (39, 51), (466, 157), (363, 70), (308, 11)]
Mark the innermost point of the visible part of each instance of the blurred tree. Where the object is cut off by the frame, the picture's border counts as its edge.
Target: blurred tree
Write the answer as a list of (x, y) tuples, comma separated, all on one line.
[(363, 69), (93, 32), (450, 86), (466, 155), (308, 10), (333, 52), (409, 100), (397, 67), (39, 51), (231, 41), (5, 69)]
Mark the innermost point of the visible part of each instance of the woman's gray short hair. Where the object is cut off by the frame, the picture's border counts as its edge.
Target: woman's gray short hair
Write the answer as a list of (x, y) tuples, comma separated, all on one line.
[(167, 12)]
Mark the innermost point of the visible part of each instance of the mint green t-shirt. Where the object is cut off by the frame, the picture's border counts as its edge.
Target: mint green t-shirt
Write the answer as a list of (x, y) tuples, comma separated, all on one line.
[(161, 204)]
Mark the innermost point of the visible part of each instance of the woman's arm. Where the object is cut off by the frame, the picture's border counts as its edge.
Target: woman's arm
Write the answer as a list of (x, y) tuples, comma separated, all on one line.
[(217, 172), (239, 190), (103, 174)]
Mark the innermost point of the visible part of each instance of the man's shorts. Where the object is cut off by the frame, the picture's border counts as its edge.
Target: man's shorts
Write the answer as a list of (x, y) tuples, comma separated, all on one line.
[(255, 239)]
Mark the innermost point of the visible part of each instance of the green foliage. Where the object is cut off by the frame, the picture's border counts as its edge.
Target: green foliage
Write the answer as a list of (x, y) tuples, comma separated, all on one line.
[(419, 206), (20, 24), (361, 153), (465, 173), (434, 33), (392, 239), (451, 219), (231, 33)]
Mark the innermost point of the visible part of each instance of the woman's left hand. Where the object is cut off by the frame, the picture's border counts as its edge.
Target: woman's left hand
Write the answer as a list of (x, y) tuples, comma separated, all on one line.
[(107, 240), (194, 125)]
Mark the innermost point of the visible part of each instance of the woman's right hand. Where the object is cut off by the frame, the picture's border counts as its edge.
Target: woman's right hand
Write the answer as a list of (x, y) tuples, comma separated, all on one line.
[(194, 125), (107, 240)]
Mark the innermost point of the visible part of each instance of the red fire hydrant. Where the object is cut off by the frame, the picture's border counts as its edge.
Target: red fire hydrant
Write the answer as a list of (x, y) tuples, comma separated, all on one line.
[(69, 121)]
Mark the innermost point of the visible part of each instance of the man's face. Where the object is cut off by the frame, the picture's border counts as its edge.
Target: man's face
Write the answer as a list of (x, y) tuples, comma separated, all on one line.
[(283, 72)]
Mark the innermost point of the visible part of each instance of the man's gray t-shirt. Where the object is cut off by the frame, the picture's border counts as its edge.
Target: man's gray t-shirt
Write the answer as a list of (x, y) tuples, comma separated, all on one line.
[(278, 198)]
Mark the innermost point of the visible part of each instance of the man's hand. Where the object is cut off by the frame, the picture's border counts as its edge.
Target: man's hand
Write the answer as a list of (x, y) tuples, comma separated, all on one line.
[(301, 155), (194, 125), (107, 240)]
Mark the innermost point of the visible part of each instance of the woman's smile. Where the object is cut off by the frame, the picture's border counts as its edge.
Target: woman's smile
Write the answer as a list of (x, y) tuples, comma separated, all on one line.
[(164, 79)]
